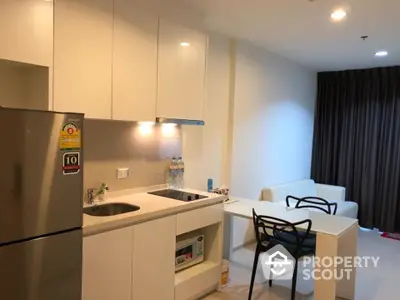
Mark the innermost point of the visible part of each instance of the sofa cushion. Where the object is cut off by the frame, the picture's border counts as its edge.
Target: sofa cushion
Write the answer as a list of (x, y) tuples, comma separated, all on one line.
[(301, 188), (347, 209)]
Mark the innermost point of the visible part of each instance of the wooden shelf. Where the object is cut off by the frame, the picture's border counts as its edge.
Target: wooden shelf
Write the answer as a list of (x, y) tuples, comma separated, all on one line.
[(194, 271), (197, 280)]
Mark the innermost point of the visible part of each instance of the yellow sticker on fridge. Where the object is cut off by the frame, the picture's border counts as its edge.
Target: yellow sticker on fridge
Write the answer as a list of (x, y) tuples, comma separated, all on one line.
[(70, 137)]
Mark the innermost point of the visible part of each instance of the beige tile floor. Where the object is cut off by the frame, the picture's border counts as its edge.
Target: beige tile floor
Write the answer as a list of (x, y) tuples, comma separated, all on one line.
[(382, 283)]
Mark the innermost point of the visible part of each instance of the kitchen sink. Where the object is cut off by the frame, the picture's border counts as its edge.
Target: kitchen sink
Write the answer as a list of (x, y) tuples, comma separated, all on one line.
[(110, 209)]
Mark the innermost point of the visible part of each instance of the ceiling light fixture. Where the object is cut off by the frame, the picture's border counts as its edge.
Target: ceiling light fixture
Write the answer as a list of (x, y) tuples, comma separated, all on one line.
[(338, 15), (185, 44), (381, 53)]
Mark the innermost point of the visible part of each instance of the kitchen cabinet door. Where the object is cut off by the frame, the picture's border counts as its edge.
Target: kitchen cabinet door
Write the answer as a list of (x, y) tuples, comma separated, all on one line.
[(154, 259), (26, 31), (181, 71), (134, 62), (107, 265), (83, 57)]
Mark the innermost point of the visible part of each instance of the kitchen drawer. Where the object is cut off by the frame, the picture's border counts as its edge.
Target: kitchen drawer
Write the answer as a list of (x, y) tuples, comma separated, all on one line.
[(198, 218)]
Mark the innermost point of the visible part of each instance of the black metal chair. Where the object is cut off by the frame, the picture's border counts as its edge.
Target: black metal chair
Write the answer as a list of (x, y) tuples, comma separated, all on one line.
[(315, 203), (329, 208), (271, 228)]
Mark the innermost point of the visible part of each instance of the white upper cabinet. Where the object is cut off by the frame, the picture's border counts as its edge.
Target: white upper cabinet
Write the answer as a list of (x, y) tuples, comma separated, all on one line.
[(134, 63), (181, 71), (26, 31), (83, 57)]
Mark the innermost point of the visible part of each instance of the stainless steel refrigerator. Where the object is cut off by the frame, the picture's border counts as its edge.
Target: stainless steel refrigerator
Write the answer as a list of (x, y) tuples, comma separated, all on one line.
[(41, 197)]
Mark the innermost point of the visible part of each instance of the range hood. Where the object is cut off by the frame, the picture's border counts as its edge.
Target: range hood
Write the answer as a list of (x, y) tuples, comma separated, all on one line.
[(179, 121)]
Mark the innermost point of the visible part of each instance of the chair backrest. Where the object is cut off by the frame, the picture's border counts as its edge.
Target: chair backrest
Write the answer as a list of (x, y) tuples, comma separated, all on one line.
[(267, 224), (329, 208)]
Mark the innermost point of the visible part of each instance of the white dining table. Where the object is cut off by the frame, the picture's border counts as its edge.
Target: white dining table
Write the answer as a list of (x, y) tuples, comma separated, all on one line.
[(336, 237)]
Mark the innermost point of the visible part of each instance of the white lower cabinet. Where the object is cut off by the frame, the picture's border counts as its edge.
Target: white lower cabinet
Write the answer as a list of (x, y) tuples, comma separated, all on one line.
[(138, 262), (132, 263), (107, 265), (153, 260)]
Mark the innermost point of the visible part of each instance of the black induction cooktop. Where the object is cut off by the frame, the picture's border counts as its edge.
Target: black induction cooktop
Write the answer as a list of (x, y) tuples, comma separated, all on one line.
[(178, 195)]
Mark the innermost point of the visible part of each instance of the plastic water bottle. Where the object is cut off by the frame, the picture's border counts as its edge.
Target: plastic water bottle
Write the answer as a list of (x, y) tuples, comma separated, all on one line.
[(181, 173), (178, 172), (172, 173), (175, 167)]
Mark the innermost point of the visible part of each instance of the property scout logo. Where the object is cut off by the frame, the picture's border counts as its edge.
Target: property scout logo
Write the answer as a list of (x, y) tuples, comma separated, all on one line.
[(278, 264)]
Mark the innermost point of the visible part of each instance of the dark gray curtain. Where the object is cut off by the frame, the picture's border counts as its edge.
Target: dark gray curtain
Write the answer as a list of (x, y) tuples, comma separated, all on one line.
[(357, 141)]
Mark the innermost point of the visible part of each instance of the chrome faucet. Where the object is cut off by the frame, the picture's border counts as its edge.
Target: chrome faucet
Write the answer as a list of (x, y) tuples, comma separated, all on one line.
[(92, 195)]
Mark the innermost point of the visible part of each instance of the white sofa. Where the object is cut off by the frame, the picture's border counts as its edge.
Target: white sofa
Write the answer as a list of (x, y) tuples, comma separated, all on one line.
[(308, 187)]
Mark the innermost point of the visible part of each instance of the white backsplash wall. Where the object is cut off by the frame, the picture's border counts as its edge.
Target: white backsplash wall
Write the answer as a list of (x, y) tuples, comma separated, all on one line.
[(109, 145)]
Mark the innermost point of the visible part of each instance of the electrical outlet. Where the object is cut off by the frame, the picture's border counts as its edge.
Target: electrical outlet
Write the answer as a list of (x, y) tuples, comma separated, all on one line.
[(122, 173)]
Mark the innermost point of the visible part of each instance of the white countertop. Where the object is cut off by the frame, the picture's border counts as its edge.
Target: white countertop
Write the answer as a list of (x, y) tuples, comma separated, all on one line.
[(323, 223), (151, 207)]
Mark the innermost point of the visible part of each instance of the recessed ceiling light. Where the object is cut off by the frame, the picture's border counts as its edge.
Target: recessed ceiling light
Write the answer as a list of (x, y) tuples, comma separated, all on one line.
[(381, 53), (185, 44), (338, 15)]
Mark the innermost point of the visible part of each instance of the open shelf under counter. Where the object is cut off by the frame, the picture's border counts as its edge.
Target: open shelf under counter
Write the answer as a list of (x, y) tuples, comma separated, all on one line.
[(202, 278), (195, 270), (197, 280)]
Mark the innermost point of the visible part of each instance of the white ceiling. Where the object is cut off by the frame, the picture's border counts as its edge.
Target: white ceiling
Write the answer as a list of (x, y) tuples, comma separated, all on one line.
[(302, 30)]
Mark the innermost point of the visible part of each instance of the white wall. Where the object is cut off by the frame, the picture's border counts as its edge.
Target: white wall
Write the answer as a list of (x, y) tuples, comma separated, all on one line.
[(12, 92), (259, 115), (204, 148), (23, 85), (36, 84), (272, 125)]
